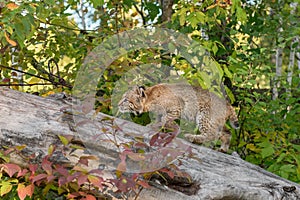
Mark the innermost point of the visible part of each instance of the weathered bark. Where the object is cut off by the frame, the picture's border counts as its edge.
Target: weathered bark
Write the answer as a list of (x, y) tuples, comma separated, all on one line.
[(36, 122)]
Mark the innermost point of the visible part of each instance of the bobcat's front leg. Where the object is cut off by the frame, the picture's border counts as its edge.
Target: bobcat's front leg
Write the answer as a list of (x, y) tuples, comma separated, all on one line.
[(225, 139), (163, 118), (200, 139)]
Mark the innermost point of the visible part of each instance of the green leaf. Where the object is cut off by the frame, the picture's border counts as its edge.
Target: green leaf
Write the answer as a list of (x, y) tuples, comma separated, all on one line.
[(64, 140), (297, 147), (241, 15), (182, 16), (214, 48), (252, 147), (50, 2), (227, 72), (196, 18), (281, 157), (153, 10), (51, 149), (97, 3), (288, 168), (19, 30), (26, 25), (266, 152)]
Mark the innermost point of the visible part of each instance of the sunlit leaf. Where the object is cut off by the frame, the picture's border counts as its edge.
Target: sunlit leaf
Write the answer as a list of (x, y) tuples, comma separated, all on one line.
[(12, 6), (51, 149), (5, 188), (10, 41), (64, 140)]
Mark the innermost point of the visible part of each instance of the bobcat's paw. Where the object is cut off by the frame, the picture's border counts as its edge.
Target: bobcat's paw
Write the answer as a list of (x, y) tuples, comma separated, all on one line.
[(190, 137)]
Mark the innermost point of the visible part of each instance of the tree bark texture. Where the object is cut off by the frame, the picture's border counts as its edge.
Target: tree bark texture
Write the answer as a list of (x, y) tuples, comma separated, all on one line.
[(36, 122)]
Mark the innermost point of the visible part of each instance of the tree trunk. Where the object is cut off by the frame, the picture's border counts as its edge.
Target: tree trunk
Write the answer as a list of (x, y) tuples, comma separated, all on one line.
[(36, 122), (167, 10), (276, 86)]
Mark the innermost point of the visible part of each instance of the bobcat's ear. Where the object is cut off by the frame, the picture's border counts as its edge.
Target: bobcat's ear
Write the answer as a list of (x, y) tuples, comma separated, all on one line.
[(141, 90)]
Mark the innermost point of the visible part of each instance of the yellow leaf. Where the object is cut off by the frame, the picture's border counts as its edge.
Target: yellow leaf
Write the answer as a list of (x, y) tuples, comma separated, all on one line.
[(12, 6), (5, 188), (13, 43), (34, 80), (251, 147)]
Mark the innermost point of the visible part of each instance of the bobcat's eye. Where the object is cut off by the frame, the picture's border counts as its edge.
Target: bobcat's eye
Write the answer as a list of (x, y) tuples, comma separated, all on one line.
[(131, 105)]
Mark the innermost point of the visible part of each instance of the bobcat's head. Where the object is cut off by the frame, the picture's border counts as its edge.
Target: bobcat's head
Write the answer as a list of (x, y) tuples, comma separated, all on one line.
[(133, 100)]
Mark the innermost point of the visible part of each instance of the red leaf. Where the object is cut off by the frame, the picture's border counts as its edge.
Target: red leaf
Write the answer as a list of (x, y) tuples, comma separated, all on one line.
[(84, 161), (47, 165), (63, 171), (81, 179), (143, 183), (61, 181), (33, 168), (39, 177), (96, 171), (6, 80), (96, 181), (124, 184), (167, 171), (25, 191), (72, 177), (72, 195), (11, 169), (8, 151), (79, 169), (121, 166), (22, 172), (50, 178), (154, 139)]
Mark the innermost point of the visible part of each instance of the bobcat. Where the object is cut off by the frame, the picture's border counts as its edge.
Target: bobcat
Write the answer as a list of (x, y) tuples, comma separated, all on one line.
[(172, 101)]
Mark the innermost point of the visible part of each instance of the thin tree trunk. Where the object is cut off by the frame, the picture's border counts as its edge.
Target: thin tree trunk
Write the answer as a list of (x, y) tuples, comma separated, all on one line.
[(278, 65), (290, 69), (82, 16), (167, 10)]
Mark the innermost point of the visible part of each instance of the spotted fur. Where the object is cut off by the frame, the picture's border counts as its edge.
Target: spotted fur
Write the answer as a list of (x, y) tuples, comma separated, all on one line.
[(174, 101)]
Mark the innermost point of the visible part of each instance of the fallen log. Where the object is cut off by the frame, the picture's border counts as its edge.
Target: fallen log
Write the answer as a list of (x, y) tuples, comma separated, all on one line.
[(37, 122)]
